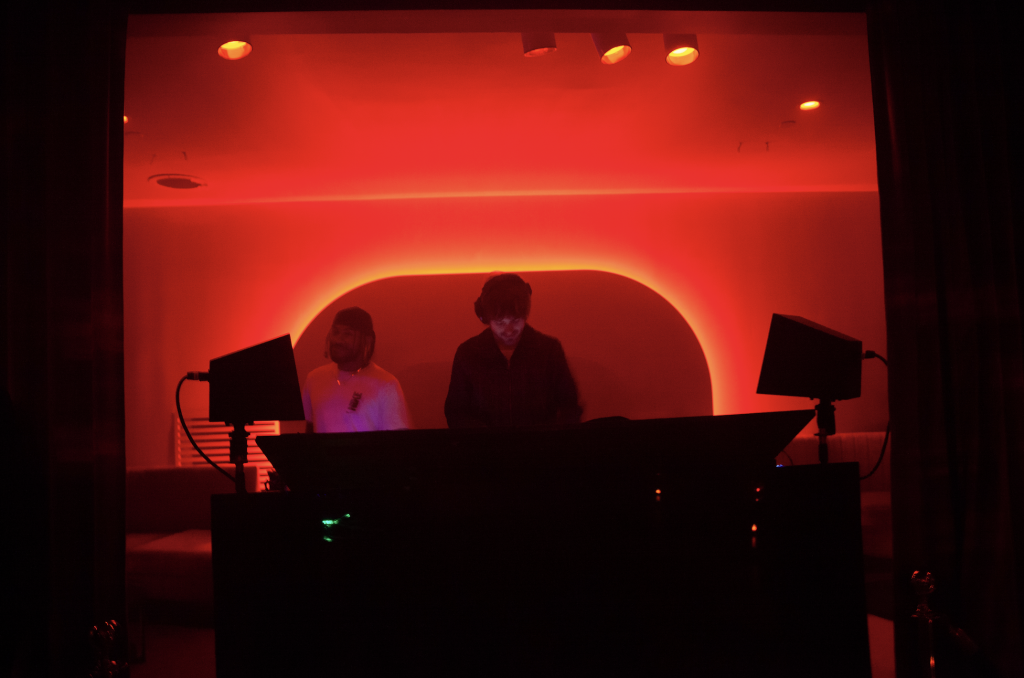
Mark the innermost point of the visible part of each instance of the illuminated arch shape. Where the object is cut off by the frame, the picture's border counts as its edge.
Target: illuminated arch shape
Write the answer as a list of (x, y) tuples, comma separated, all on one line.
[(631, 351)]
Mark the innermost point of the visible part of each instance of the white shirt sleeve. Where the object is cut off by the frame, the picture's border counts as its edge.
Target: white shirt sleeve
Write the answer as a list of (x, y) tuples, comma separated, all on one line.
[(394, 410)]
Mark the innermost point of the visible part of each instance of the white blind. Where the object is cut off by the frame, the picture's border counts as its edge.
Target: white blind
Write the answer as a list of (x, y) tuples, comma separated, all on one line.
[(213, 439)]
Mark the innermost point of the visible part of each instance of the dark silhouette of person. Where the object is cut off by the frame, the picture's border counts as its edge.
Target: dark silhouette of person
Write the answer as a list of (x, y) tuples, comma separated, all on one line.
[(510, 374)]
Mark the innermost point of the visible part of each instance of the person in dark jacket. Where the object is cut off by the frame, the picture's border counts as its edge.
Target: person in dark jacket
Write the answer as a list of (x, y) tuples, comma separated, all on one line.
[(510, 374)]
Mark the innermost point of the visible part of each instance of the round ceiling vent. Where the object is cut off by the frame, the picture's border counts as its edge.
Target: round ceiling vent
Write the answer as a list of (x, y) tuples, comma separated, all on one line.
[(177, 180)]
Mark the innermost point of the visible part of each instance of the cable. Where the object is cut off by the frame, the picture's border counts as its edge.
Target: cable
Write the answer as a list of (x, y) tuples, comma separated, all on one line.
[(200, 376), (872, 354), (882, 455), (868, 355)]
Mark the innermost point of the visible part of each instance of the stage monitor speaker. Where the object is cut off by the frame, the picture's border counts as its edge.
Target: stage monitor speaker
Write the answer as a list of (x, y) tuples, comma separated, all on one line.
[(259, 383), (806, 359)]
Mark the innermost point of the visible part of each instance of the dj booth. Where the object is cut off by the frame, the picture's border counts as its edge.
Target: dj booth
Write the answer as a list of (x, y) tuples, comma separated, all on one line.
[(650, 548)]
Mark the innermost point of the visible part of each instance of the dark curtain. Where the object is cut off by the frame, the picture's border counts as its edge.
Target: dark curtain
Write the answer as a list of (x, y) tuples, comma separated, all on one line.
[(63, 410), (947, 126)]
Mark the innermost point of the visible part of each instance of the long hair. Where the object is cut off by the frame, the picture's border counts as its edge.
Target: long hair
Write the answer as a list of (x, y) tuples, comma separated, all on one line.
[(369, 346), (361, 322)]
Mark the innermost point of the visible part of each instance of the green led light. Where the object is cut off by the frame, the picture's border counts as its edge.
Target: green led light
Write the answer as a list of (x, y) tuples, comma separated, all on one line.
[(328, 539), (331, 522), (348, 515)]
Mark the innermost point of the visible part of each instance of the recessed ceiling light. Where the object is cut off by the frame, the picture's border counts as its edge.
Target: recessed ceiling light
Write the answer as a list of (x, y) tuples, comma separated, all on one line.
[(681, 48), (177, 180), (234, 50), (616, 54), (613, 47), (538, 44), (809, 105)]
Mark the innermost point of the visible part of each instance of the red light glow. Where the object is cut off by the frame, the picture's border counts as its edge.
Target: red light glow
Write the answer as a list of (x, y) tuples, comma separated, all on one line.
[(126, 119), (428, 173), (616, 54), (753, 528), (234, 50), (809, 105)]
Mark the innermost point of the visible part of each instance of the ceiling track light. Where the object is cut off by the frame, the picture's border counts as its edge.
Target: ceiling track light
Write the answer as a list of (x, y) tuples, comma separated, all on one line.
[(233, 50), (538, 44), (180, 181), (613, 47), (681, 48)]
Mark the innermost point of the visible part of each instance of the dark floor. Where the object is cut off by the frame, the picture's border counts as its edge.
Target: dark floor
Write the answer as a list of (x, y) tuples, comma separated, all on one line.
[(177, 652), (187, 652), (175, 649)]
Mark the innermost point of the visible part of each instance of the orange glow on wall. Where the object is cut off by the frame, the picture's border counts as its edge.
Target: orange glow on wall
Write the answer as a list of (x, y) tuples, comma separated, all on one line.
[(234, 50), (207, 280), (809, 105), (722, 359), (615, 54)]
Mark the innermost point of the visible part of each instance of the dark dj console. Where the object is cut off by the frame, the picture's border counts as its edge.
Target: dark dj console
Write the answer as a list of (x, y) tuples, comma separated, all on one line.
[(619, 550)]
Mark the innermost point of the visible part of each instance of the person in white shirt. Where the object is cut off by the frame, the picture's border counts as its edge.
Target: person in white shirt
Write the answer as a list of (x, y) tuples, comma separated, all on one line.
[(352, 393)]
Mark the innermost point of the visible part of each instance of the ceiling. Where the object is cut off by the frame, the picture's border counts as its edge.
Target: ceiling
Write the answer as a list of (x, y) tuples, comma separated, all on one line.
[(379, 105)]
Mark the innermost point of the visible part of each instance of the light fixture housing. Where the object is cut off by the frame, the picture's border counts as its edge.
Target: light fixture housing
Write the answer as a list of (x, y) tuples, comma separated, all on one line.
[(681, 48), (613, 47), (538, 44), (233, 50), (809, 105)]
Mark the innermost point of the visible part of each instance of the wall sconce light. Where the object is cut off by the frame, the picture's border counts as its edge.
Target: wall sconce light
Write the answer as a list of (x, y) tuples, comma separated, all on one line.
[(234, 50), (613, 47), (538, 44), (681, 49)]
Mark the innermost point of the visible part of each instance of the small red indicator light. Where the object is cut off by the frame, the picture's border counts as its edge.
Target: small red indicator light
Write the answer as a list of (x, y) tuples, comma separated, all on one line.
[(657, 492), (753, 528)]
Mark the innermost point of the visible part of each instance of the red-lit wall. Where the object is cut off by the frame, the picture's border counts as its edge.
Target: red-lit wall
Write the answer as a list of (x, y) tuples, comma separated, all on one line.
[(630, 352), (204, 281)]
